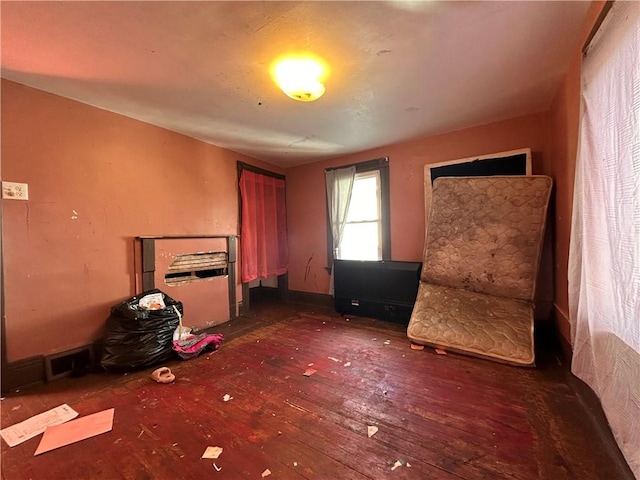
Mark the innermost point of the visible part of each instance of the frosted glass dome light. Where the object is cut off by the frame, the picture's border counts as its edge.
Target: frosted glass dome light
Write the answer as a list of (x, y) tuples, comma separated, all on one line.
[(300, 78)]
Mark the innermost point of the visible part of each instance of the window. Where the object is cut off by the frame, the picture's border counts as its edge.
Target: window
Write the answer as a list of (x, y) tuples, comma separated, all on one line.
[(365, 231), (361, 238)]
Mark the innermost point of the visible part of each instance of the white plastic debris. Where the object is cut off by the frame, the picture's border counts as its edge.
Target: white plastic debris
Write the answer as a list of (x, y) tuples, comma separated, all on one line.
[(212, 452)]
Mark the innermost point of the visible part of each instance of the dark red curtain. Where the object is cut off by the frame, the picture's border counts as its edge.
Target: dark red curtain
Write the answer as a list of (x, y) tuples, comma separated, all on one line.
[(263, 240)]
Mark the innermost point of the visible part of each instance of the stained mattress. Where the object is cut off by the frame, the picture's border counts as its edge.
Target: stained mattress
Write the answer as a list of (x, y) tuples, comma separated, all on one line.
[(481, 259), (481, 325)]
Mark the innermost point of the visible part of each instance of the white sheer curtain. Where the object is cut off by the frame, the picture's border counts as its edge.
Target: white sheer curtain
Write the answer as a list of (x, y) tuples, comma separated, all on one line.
[(339, 184), (604, 260)]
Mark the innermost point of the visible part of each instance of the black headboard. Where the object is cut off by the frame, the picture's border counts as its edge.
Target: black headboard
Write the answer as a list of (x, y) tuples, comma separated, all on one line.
[(514, 162), (509, 165)]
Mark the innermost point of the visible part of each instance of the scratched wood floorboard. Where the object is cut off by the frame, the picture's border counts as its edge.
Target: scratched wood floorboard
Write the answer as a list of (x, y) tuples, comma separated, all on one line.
[(441, 416)]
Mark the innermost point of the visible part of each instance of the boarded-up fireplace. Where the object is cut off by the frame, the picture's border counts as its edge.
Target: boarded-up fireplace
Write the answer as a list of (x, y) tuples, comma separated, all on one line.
[(196, 267), (199, 271)]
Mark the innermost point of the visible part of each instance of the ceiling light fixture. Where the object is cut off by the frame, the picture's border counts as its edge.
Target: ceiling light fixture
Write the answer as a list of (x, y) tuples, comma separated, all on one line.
[(300, 78)]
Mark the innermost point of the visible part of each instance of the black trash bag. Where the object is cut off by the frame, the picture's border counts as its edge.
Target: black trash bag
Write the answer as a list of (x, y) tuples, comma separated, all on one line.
[(138, 337)]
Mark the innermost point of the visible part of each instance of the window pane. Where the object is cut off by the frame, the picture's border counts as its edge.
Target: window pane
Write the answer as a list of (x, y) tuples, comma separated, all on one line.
[(360, 241), (365, 204), (369, 205)]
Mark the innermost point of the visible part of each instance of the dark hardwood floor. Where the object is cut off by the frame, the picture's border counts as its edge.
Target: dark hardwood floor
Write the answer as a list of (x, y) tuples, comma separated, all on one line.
[(439, 416)]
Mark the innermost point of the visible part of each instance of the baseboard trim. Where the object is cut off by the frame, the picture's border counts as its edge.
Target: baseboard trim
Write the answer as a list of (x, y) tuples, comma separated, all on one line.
[(565, 346), (560, 316), (32, 371), (593, 408), (23, 373), (307, 298)]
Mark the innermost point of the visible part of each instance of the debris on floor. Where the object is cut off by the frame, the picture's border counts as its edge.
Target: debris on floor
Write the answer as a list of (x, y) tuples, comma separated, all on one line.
[(333, 358), (399, 463), (371, 430), (266, 473), (439, 351), (415, 346), (309, 371), (76, 430), (23, 431), (212, 452), (387, 342), (216, 467), (348, 364), (227, 397), (163, 375)]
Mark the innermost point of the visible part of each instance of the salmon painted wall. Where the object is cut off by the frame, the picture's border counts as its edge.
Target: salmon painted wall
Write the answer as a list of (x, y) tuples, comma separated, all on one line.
[(96, 180), (564, 116), (306, 202)]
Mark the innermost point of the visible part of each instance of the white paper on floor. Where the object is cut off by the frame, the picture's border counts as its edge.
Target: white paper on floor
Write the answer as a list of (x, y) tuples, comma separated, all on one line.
[(212, 452), (23, 431)]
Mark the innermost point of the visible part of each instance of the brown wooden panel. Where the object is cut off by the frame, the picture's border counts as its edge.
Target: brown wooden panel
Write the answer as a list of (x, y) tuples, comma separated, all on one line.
[(148, 281), (148, 255)]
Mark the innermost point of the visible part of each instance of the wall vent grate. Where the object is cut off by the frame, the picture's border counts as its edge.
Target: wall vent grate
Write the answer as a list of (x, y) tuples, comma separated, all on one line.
[(74, 362)]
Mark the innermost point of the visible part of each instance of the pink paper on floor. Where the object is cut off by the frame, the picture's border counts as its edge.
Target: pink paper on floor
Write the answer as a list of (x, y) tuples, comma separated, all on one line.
[(76, 430)]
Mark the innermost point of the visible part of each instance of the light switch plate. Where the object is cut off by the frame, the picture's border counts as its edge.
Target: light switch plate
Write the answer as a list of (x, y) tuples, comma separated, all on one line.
[(15, 191)]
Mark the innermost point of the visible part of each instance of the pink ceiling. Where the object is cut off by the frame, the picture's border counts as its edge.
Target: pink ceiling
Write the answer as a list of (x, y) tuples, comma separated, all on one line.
[(400, 69)]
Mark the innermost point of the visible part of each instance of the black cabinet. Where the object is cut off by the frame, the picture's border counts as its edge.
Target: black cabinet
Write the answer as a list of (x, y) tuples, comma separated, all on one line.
[(385, 289)]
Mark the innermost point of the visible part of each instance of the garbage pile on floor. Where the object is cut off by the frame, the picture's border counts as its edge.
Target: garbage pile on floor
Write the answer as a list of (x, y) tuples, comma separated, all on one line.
[(147, 329)]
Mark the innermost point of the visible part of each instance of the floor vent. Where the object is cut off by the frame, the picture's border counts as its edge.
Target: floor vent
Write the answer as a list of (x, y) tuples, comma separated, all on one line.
[(74, 362), (195, 267)]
